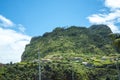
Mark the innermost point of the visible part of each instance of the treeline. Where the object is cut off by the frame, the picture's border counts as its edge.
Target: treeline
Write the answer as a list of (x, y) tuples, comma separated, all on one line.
[(55, 71)]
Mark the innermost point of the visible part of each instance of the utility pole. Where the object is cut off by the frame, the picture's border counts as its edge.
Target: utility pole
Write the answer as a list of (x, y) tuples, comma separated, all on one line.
[(72, 75), (39, 65), (117, 66)]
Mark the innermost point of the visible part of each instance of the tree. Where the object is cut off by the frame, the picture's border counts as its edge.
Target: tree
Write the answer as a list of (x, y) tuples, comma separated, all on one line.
[(116, 40), (116, 43)]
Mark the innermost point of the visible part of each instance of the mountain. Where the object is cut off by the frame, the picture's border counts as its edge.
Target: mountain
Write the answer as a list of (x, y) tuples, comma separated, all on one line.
[(73, 53), (71, 40)]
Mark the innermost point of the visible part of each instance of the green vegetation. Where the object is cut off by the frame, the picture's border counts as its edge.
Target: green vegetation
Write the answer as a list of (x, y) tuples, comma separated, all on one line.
[(66, 53), (78, 40)]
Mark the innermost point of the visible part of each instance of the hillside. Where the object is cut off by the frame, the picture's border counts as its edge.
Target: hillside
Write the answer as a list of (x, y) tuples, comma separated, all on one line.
[(73, 53), (71, 40)]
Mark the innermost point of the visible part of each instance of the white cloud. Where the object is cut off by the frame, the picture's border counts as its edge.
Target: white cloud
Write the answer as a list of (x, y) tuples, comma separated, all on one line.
[(12, 44), (96, 19), (4, 22), (21, 27), (113, 4), (110, 18), (113, 27)]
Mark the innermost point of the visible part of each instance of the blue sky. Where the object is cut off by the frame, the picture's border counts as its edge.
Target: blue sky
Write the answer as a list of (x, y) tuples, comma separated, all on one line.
[(40, 16), (22, 19)]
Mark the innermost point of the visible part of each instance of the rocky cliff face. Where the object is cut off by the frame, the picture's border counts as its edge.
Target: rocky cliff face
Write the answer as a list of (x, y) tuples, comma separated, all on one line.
[(78, 40)]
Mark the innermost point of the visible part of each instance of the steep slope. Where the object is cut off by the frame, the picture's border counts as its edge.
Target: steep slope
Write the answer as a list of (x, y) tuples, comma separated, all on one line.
[(74, 53), (78, 40)]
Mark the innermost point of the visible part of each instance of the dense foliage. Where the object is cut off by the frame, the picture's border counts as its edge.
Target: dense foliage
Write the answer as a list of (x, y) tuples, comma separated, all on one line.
[(73, 53), (78, 40), (57, 71)]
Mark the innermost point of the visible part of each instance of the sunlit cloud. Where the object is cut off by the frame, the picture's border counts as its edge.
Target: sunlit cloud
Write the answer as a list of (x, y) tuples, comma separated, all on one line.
[(12, 43), (111, 18)]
